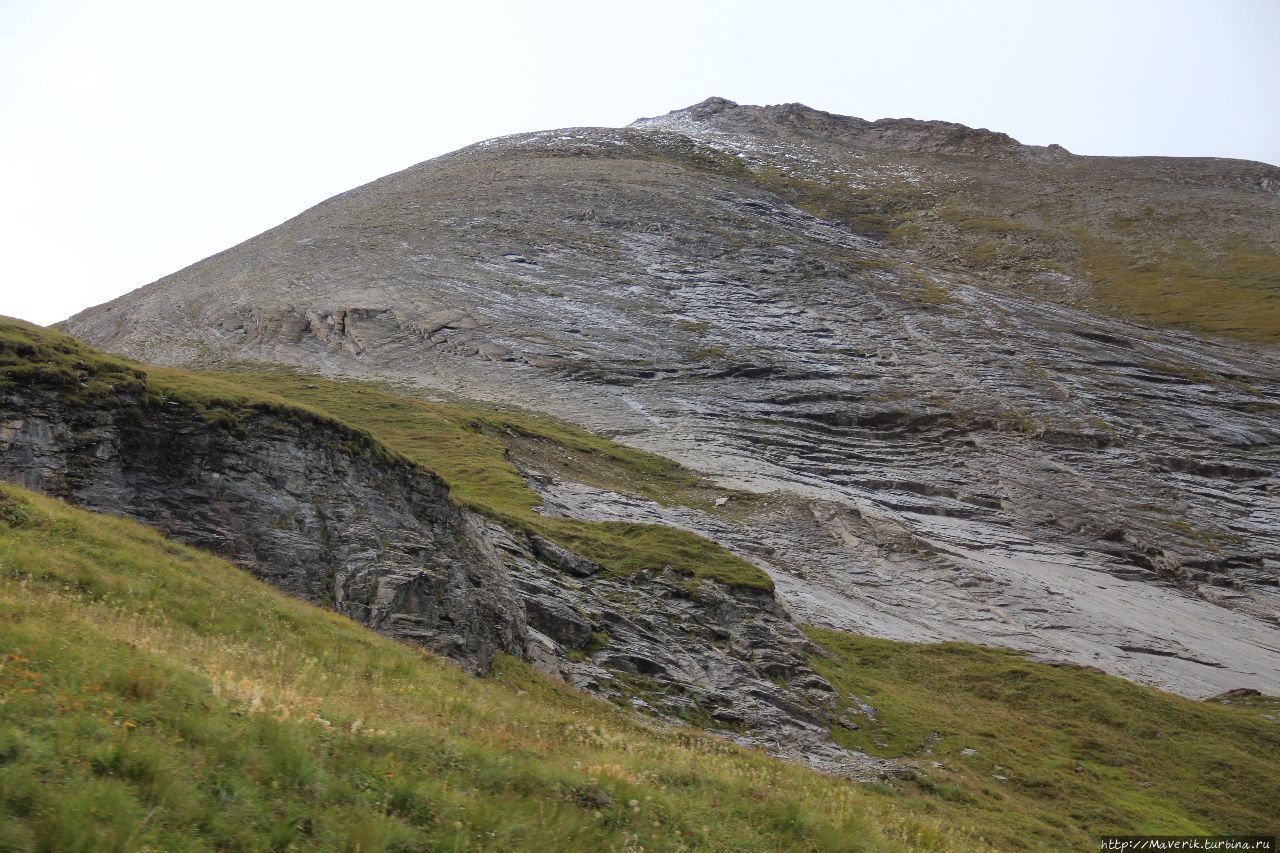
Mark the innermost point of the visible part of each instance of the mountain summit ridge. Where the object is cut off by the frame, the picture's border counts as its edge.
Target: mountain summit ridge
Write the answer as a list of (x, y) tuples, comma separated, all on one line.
[(904, 134)]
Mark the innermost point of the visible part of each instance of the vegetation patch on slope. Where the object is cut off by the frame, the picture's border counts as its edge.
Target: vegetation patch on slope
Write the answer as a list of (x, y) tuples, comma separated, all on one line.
[(37, 358), (874, 211), (1040, 755), (156, 697), (1134, 265), (467, 446), (1156, 266), (1235, 291), (461, 444)]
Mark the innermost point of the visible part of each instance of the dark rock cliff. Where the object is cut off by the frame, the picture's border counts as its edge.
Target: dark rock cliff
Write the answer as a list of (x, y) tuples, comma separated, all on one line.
[(315, 514), (332, 518)]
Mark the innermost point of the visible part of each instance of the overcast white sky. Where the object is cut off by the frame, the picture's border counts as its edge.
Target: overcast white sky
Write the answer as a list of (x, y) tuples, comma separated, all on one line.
[(139, 137)]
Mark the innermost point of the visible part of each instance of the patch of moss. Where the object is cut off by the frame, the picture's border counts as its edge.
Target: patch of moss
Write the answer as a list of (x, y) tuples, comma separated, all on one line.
[(686, 153), (927, 291), (697, 327), (1234, 290), (871, 211), (711, 353), (1012, 419), (968, 218)]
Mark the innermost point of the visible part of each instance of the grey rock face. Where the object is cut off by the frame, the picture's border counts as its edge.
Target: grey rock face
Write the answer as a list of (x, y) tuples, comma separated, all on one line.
[(324, 518), (889, 134), (727, 659), (946, 456), (302, 509)]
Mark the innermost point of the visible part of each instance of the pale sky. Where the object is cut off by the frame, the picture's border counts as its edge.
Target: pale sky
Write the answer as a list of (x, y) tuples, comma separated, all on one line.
[(139, 137)]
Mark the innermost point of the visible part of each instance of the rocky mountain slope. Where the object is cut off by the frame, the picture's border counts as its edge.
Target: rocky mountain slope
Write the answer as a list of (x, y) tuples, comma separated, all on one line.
[(321, 508), (975, 390)]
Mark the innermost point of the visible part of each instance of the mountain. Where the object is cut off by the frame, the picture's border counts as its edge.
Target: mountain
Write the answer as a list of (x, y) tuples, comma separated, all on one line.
[(898, 449), (957, 388)]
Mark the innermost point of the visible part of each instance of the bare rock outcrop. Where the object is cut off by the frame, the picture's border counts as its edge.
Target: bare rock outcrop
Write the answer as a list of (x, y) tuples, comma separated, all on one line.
[(319, 515), (327, 515)]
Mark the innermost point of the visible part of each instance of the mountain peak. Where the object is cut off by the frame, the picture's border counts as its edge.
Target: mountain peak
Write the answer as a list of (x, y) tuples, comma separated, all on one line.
[(701, 111), (716, 114), (710, 106)]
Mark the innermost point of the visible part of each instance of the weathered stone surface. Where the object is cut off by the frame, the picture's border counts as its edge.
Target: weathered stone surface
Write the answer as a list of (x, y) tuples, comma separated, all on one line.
[(562, 559), (728, 659), (301, 508)]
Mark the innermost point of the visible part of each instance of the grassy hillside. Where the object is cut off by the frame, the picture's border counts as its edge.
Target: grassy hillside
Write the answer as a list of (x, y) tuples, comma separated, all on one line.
[(155, 697), (1038, 754)]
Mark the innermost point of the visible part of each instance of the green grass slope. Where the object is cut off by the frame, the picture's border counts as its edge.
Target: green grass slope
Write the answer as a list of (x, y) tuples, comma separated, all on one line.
[(1041, 755), (153, 697)]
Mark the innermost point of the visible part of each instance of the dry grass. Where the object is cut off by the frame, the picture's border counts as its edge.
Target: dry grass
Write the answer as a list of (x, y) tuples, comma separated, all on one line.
[(1235, 291)]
